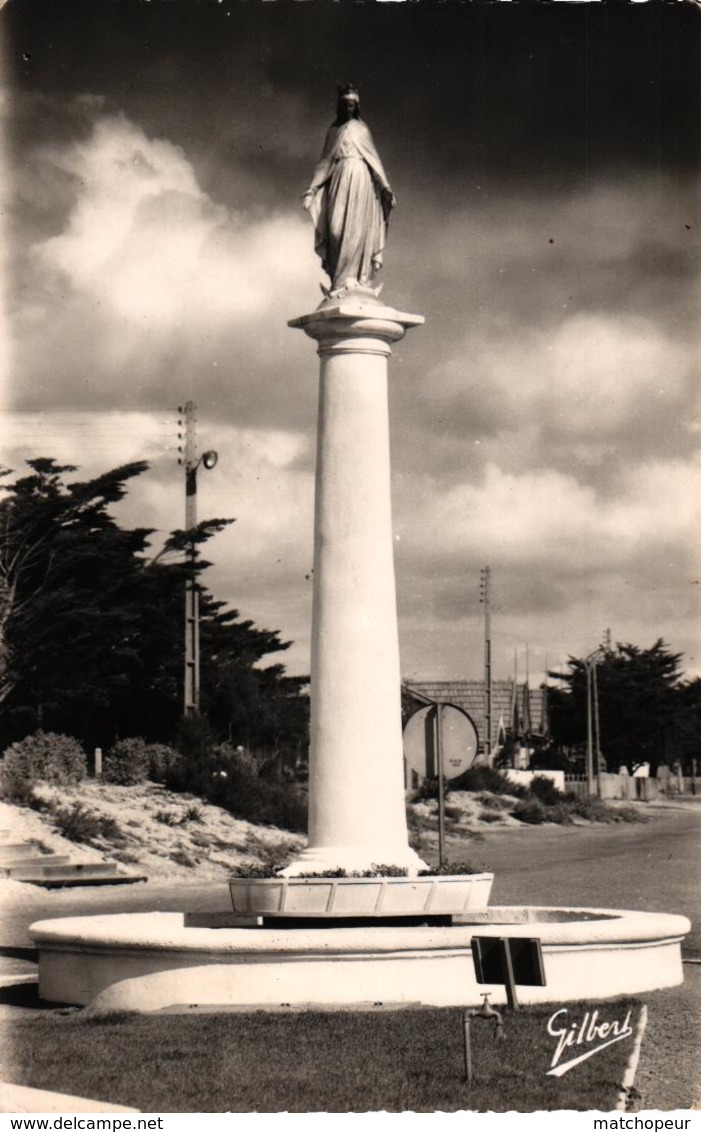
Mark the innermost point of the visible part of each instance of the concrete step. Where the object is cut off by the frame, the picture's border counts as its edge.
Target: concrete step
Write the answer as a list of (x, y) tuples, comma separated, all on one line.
[(12, 850), (9, 869), (53, 874), (84, 879), (74, 867), (69, 870)]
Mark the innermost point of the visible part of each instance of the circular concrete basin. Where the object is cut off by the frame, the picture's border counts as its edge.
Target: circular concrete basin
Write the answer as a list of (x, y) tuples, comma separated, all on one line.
[(151, 961)]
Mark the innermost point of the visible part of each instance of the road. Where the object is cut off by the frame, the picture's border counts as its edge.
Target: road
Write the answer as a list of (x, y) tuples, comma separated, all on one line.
[(652, 866)]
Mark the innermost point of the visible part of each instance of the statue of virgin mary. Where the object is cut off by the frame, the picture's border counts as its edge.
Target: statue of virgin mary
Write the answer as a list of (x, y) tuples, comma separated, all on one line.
[(350, 200)]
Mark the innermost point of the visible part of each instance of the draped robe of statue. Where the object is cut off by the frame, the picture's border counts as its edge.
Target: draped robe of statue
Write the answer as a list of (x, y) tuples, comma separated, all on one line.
[(347, 210)]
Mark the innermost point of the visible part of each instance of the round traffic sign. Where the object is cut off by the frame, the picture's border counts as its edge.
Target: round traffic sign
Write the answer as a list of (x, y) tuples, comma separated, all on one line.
[(459, 741)]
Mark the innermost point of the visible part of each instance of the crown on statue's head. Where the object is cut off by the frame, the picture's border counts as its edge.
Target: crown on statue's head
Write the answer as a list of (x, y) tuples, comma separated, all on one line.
[(348, 89)]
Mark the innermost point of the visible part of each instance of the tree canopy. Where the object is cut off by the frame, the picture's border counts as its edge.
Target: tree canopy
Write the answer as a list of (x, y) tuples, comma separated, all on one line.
[(92, 625), (642, 703)]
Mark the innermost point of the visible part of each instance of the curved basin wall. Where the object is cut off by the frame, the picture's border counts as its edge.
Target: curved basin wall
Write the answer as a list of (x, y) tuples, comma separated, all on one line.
[(146, 962)]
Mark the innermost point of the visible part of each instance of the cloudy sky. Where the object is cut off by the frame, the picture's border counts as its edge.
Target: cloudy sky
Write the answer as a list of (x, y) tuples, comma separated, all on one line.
[(545, 420)]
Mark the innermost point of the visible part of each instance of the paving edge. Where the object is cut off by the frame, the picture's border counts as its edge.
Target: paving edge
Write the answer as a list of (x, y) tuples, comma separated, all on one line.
[(632, 1066), (22, 1098)]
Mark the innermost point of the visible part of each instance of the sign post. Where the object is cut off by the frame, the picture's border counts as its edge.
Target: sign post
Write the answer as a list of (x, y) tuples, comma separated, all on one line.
[(441, 741), (510, 961), (441, 785)]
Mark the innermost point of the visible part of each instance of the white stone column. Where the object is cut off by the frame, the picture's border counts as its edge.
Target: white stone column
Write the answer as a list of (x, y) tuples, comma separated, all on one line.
[(356, 786)]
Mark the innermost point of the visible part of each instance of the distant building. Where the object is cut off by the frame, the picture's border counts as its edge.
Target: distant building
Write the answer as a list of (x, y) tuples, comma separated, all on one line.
[(518, 711)]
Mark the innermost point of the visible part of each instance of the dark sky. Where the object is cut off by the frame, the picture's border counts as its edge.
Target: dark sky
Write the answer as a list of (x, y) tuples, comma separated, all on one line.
[(545, 157), (530, 92)]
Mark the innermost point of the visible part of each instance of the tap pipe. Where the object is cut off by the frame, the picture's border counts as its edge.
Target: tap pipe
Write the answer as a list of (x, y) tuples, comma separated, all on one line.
[(490, 1014)]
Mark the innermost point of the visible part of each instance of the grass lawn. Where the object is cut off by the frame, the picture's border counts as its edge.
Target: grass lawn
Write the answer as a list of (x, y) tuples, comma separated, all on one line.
[(404, 1060)]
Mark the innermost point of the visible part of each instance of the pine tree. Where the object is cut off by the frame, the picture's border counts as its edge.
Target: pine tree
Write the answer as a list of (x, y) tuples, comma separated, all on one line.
[(91, 624), (638, 694)]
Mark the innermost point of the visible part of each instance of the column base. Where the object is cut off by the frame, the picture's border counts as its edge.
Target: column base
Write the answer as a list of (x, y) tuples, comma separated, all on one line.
[(324, 858)]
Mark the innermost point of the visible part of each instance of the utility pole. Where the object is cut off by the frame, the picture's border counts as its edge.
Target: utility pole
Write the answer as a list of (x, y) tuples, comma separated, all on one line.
[(597, 742), (191, 462), (590, 751), (485, 594), (590, 663)]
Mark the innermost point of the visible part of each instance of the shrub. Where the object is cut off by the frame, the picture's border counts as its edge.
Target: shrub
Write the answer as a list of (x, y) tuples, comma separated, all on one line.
[(479, 778), (418, 822), (455, 813), (165, 764), (428, 790), (560, 812), (418, 827), (234, 784), (267, 870), (167, 817), (494, 801), (182, 857), (170, 817), (82, 825), (46, 756), (127, 763), (20, 791), (196, 746), (532, 811), (545, 790), (453, 868), (228, 777), (489, 816), (275, 854), (595, 809), (254, 871)]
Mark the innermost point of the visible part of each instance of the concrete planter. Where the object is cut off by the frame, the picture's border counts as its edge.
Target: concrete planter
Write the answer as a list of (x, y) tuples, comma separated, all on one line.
[(361, 896)]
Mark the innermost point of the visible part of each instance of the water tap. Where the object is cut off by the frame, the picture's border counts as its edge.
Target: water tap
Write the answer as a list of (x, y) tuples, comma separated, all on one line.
[(489, 1012)]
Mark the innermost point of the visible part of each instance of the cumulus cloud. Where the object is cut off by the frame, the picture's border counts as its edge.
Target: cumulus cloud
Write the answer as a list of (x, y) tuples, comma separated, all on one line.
[(547, 521), (592, 375), (560, 331), (150, 288), (567, 561)]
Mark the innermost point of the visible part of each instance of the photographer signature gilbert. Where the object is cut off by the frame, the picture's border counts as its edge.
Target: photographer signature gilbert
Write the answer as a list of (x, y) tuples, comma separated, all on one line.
[(587, 1032)]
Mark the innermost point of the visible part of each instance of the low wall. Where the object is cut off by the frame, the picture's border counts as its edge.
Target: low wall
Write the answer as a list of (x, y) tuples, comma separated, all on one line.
[(618, 788), (671, 782), (525, 777)]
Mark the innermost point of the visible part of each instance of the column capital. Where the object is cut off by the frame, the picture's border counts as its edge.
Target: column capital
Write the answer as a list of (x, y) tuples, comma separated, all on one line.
[(356, 325)]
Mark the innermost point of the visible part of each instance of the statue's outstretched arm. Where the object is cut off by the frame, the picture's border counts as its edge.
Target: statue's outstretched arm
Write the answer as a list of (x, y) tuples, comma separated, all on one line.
[(323, 170)]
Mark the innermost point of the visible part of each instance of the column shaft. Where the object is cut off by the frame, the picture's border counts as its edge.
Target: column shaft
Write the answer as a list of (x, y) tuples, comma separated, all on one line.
[(356, 779)]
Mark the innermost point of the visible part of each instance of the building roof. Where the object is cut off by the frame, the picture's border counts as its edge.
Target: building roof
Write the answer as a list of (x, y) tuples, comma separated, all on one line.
[(516, 708)]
